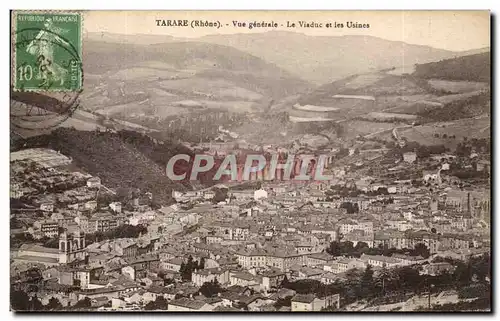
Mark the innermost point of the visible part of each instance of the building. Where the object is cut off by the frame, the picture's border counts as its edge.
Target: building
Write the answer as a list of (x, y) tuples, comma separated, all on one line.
[(410, 157), (209, 275), (309, 302), (347, 227), (116, 207), (437, 268), (47, 207), (102, 222), (380, 260), (172, 264), (94, 182), (71, 248), (260, 194), (48, 228), (36, 254), (272, 279), (343, 265), (188, 304), (319, 259)]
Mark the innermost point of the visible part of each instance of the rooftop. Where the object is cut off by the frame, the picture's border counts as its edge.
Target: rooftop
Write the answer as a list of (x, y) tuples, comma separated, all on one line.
[(303, 298), (188, 303)]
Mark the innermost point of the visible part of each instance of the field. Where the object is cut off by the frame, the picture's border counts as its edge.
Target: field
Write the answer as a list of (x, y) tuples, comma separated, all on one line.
[(457, 86), (354, 128), (470, 128), (381, 116)]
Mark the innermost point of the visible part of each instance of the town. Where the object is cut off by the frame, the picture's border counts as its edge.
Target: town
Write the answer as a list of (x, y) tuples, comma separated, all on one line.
[(401, 235)]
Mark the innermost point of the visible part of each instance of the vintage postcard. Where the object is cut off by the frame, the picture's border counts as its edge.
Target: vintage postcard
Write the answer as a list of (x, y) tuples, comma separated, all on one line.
[(248, 161)]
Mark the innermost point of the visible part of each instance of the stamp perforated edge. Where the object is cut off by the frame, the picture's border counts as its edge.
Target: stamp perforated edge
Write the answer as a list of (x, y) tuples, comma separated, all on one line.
[(13, 47)]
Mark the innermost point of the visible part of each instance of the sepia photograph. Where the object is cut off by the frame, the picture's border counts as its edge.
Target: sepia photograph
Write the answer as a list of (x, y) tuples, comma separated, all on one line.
[(250, 161)]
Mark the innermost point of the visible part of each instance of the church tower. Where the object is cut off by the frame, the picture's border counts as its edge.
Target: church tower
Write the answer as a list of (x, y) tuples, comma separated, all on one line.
[(64, 248), (72, 247)]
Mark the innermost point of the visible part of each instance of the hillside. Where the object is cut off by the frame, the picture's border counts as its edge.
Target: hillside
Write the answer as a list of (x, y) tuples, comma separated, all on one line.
[(469, 68), (322, 59), (172, 78), (446, 90), (118, 161)]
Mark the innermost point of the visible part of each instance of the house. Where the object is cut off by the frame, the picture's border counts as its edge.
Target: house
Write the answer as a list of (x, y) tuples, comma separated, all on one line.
[(99, 301), (483, 165), (129, 272), (238, 289), (407, 259), (187, 304), (48, 228), (255, 302), (244, 279), (358, 236), (349, 226), (283, 293), (307, 302), (342, 265), (208, 275), (431, 177), (435, 269), (410, 157), (380, 260), (272, 279), (144, 263), (154, 291), (47, 207), (329, 278), (94, 182), (309, 273), (116, 207), (172, 264), (117, 303)]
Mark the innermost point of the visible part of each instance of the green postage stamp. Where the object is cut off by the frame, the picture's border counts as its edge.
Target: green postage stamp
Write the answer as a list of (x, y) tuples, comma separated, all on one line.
[(47, 48)]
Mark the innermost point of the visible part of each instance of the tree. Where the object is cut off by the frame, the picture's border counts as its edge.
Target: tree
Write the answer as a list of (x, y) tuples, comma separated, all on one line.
[(83, 304), (334, 249), (367, 277), (350, 207), (283, 302), (53, 304), (220, 195), (210, 289), (367, 282), (19, 301), (360, 246), (284, 282), (52, 243), (182, 271), (408, 277), (186, 270), (463, 273), (384, 279), (353, 283), (159, 304), (482, 267), (201, 265), (422, 250)]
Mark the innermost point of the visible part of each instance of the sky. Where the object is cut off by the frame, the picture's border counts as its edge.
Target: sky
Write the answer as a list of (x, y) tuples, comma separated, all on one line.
[(450, 30)]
